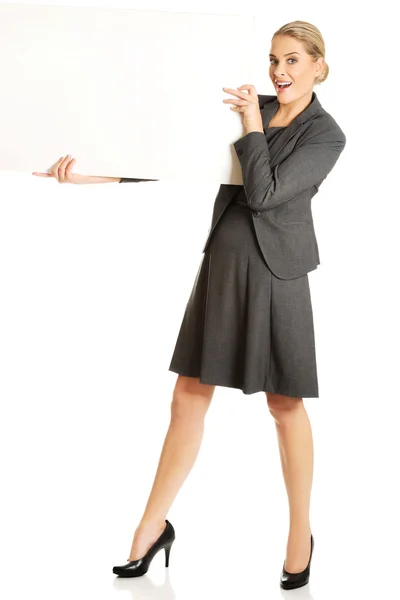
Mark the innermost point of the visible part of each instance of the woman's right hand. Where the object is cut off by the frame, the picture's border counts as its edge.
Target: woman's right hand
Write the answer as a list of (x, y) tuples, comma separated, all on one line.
[(62, 171)]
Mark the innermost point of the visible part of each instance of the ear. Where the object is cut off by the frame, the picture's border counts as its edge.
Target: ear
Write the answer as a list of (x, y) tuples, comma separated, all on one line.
[(319, 66)]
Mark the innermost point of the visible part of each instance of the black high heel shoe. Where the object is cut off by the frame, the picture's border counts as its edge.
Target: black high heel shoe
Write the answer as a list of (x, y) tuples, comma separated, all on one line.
[(136, 568), (290, 581)]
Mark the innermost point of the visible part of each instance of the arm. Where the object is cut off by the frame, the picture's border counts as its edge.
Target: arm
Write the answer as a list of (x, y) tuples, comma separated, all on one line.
[(305, 167)]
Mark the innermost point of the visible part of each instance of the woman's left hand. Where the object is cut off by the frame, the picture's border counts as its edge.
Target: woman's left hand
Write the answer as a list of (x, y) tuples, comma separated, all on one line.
[(247, 104)]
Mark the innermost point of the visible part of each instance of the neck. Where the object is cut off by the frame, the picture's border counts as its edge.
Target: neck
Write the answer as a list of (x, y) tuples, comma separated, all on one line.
[(288, 112)]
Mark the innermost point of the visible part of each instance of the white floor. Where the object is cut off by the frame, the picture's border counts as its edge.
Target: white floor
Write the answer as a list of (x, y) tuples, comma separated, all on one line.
[(88, 322), (75, 491)]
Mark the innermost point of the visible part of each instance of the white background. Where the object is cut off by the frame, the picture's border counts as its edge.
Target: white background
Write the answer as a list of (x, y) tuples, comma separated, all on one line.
[(93, 285), (120, 90)]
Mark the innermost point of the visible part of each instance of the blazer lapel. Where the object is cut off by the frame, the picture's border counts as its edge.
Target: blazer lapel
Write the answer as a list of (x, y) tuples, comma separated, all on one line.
[(268, 107)]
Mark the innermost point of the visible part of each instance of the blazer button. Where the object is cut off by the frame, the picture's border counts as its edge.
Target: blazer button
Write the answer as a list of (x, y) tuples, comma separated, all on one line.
[(256, 213), (240, 151)]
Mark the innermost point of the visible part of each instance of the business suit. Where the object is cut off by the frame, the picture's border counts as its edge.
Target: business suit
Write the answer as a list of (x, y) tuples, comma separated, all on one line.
[(248, 322), (279, 186)]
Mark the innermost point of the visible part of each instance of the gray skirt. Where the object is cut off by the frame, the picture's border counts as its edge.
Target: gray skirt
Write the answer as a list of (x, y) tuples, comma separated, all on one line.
[(243, 327)]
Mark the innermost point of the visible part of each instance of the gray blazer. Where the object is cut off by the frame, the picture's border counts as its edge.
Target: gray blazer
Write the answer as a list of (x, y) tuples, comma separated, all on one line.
[(279, 183)]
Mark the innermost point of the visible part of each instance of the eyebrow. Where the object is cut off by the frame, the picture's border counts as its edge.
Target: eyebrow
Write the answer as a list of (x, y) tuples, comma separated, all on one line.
[(285, 54)]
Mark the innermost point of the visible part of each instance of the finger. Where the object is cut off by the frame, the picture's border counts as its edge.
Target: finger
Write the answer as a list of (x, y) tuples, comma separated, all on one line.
[(235, 93), (61, 168), (237, 102), (245, 86), (70, 164), (64, 162), (68, 170), (54, 168), (57, 164), (43, 174), (251, 89)]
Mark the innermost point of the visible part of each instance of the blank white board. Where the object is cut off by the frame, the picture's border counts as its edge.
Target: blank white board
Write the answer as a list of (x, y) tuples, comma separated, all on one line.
[(128, 93)]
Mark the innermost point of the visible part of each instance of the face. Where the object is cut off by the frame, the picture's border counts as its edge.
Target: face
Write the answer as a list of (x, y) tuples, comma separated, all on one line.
[(290, 62)]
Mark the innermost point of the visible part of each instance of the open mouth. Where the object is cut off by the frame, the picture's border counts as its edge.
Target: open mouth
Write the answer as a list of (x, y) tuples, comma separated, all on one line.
[(283, 86)]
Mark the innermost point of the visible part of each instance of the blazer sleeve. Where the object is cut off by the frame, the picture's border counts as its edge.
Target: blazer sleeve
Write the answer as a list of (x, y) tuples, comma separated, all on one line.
[(129, 180), (306, 166)]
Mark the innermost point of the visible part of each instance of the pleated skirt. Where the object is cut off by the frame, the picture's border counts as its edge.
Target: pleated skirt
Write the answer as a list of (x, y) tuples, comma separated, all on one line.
[(243, 327)]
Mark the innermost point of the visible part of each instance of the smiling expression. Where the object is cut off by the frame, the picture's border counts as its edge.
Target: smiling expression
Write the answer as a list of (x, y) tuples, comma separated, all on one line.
[(289, 62)]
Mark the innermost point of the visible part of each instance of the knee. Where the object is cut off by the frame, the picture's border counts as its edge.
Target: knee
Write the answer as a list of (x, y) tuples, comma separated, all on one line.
[(190, 397), (283, 408)]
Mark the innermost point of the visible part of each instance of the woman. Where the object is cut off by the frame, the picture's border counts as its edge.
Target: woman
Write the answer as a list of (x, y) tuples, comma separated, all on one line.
[(248, 323)]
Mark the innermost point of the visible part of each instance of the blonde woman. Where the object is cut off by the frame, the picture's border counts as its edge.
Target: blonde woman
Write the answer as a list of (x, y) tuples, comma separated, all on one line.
[(248, 323)]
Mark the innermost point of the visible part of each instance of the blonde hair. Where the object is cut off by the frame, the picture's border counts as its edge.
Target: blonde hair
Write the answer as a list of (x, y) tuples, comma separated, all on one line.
[(312, 40)]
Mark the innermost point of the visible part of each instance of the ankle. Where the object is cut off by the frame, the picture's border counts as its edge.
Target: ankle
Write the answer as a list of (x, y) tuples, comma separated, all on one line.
[(151, 525), (300, 529)]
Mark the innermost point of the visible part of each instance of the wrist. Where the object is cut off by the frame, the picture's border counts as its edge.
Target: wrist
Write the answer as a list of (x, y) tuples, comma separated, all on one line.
[(252, 129)]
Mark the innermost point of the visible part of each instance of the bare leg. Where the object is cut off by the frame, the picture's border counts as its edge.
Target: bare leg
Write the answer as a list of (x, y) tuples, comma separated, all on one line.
[(189, 406), (297, 459)]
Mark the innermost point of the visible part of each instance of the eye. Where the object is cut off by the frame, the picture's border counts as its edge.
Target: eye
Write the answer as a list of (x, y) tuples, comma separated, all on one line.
[(272, 60)]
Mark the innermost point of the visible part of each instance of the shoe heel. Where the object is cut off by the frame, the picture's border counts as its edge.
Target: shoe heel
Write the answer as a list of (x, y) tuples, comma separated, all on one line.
[(167, 551), (290, 581), (137, 568)]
